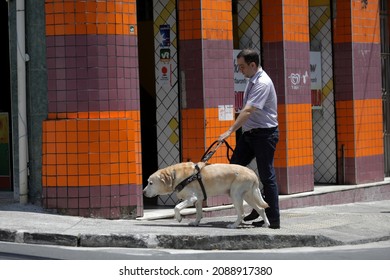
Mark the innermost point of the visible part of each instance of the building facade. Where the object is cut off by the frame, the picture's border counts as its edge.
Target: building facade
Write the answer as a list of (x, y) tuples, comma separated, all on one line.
[(115, 90)]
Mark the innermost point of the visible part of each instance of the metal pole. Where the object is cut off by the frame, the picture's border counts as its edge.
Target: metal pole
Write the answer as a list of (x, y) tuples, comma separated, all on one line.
[(22, 111)]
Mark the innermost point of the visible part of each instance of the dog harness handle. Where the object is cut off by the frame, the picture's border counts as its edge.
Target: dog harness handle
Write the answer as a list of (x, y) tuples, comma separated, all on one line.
[(188, 180), (208, 154)]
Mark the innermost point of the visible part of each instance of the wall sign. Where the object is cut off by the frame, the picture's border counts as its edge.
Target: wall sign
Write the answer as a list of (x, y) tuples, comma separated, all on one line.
[(239, 83), (316, 79)]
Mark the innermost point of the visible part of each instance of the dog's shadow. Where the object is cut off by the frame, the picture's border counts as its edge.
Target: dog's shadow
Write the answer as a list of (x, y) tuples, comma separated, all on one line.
[(205, 224)]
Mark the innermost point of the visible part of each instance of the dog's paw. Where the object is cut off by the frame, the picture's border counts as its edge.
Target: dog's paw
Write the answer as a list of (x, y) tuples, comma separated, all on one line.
[(232, 225), (178, 217), (194, 223)]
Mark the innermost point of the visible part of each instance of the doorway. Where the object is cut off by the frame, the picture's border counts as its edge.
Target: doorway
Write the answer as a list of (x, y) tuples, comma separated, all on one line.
[(147, 92), (323, 99), (160, 99)]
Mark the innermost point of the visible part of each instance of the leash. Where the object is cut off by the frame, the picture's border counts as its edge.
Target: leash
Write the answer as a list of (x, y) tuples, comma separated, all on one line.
[(208, 154), (197, 176)]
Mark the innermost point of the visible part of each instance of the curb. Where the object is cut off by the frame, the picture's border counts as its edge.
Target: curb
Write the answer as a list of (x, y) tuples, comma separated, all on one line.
[(193, 242), (190, 242), (244, 242)]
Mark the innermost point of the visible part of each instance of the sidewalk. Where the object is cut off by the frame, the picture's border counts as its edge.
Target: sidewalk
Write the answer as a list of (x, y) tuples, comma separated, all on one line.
[(319, 226)]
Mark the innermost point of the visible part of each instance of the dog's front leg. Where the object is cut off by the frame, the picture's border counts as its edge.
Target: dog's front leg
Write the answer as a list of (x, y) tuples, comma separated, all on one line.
[(199, 213), (186, 203)]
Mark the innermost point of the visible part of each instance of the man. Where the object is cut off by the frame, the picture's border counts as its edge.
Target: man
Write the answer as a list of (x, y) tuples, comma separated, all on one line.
[(259, 123)]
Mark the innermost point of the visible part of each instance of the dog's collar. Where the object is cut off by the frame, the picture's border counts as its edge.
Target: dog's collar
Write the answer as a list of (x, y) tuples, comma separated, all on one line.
[(188, 180)]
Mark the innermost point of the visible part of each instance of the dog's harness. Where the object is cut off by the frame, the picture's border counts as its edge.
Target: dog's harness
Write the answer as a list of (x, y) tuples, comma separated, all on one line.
[(207, 155), (188, 180)]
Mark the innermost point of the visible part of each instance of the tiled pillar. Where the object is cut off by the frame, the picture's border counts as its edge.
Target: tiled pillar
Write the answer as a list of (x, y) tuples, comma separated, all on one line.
[(206, 72), (91, 139), (286, 59), (357, 68)]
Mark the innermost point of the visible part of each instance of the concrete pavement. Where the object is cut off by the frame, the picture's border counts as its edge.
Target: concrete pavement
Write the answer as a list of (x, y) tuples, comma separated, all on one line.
[(319, 226)]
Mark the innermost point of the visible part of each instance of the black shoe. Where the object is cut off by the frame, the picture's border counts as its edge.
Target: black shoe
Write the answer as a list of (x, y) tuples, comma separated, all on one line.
[(261, 223), (274, 225), (252, 216), (258, 224)]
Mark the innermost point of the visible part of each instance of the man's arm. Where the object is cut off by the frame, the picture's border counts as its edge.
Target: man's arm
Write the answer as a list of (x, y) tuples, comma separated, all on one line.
[(241, 119)]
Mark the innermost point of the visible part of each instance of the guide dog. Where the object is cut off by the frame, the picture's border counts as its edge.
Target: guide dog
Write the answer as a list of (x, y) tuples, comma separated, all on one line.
[(240, 182)]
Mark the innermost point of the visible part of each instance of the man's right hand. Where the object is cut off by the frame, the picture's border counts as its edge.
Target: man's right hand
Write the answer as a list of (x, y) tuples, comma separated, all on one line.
[(224, 135)]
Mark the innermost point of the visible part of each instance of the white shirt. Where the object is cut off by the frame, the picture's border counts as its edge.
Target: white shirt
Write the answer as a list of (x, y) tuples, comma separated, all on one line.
[(261, 94)]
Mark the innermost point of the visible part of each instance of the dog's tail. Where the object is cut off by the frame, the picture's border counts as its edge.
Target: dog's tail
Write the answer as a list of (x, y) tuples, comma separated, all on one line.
[(258, 197)]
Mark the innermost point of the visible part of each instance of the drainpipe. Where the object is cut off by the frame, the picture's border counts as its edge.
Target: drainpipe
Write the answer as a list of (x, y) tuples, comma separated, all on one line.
[(22, 58)]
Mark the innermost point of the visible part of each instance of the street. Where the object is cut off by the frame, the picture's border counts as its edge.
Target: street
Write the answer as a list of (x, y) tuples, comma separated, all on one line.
[(370, 251)]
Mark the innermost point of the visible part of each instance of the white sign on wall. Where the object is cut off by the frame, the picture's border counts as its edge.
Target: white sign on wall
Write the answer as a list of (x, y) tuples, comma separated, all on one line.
[(225, 112), (239, 83), (316, 79), (315, 70)]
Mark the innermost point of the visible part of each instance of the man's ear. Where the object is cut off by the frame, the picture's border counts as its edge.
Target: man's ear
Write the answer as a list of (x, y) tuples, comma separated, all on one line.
[(253, 65)]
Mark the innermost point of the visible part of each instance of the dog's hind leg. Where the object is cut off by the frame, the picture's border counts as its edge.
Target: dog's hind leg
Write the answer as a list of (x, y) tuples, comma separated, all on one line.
[(238, 205), (186, 203), (260, 205), (261, 211), (255, 200)]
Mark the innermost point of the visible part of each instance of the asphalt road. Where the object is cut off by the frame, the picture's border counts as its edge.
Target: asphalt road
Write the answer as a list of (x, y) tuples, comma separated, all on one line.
[(369, 251)]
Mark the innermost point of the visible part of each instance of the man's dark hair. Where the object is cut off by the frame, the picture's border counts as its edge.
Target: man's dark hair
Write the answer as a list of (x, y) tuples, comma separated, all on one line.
[(249, 56)]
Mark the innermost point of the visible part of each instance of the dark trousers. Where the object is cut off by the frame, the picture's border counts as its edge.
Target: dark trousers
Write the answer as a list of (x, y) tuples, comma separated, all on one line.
[(261, 144)]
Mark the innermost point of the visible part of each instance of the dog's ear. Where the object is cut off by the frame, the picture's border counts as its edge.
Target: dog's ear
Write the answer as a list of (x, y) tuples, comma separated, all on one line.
[(166, 178), (161, 178)]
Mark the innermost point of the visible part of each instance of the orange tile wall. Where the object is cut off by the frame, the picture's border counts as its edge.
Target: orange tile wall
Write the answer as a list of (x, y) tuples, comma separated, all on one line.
[(360, 127), (212, 22), (274, 14), (90, 17), (192, 121), (214, 128), (200, 130), (355, 23), (295, 147), (296, 20), (217, 20), (291, 21), (92, 152), (365, 22), (190, 21)]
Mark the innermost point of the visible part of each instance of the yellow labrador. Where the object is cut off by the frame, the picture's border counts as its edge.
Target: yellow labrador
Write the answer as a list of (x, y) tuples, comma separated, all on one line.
[(240, 182)]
